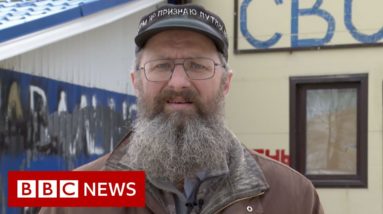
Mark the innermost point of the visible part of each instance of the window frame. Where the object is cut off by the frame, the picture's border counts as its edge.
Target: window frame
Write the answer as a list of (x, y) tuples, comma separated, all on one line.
[(298, 87)]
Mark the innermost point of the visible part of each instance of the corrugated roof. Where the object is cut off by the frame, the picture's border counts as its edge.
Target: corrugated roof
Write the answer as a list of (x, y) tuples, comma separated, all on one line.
[(23, 37), (21, 17)]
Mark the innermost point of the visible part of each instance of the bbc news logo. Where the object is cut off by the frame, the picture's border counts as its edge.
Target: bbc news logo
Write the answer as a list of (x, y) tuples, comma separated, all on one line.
[(76, 188), (47, 188)]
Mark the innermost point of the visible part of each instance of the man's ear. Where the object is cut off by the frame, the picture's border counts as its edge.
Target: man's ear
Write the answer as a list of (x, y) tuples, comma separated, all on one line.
[(227, 82), (135, 79)]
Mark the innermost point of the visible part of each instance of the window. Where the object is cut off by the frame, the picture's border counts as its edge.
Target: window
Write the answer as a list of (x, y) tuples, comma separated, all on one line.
[(328, 129)]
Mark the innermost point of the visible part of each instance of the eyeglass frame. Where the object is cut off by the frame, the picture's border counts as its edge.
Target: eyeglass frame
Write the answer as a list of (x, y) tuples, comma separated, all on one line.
[(183, 66)]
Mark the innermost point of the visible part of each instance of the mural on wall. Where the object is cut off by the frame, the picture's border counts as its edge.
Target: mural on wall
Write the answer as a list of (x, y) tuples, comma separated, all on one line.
[(294, 24), (52, 125)]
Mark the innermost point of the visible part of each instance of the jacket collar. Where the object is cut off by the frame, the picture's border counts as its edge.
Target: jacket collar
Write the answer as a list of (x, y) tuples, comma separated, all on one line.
[(244, 180)]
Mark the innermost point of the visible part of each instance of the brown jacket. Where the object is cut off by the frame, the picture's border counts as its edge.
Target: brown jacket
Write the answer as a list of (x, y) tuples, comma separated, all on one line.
[(257, 185)]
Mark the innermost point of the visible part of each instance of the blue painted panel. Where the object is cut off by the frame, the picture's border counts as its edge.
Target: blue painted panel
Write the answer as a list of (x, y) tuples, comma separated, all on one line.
[(47, 124)]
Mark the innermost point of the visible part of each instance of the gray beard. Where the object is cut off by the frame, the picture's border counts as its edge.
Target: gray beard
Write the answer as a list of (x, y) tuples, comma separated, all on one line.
[(177, 145)]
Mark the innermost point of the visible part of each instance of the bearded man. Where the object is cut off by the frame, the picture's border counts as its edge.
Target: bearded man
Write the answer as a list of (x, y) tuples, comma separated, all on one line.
[(193, 162)]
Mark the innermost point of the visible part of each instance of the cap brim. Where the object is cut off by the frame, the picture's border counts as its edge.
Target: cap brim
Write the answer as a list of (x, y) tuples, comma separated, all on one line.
[(180, 23)]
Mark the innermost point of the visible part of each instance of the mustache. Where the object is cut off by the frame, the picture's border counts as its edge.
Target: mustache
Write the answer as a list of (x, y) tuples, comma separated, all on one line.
[(159, 102), (188, 95)]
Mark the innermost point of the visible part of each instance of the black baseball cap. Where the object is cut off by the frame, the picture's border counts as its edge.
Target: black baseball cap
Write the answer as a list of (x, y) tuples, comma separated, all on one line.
[(187, 16)]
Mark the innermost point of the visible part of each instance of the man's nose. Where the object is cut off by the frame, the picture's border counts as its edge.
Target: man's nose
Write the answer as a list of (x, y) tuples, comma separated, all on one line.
[(179, 79)]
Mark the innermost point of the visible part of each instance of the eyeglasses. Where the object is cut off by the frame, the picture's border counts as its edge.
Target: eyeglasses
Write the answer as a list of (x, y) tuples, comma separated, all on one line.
[(195, 68)]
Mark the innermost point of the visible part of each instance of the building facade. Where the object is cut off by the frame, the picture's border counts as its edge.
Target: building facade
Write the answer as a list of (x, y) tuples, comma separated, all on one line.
[(308, 80)]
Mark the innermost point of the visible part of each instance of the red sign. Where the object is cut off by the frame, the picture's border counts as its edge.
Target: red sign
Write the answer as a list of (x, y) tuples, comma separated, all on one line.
[(76, 188), (280, 155)]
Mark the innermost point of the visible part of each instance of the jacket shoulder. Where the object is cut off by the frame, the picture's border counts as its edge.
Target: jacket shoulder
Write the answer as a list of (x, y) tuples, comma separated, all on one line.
[(100, 163), (272, 167), (281, 175), (289, 189)]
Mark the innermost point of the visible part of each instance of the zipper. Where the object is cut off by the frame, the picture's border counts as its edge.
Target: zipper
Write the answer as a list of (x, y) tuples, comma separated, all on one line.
[(238, 200)]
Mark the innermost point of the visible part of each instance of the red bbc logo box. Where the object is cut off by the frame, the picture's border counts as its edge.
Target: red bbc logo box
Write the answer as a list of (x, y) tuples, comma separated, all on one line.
[(76, 188)]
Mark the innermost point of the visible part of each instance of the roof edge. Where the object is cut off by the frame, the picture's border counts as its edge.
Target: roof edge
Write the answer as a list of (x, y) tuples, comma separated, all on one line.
[(93, 15)]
